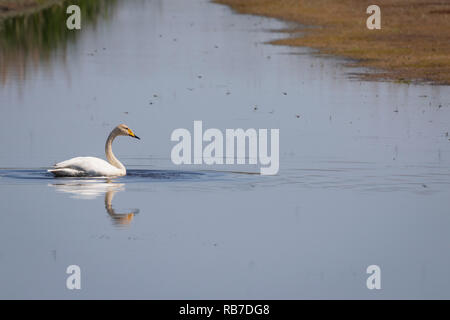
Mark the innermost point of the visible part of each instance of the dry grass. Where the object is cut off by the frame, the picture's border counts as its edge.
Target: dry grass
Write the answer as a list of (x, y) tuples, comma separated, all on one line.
[(412, 45), (11, 8)]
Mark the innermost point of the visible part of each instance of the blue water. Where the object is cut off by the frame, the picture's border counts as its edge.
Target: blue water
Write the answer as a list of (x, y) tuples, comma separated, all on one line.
[(134, 175)]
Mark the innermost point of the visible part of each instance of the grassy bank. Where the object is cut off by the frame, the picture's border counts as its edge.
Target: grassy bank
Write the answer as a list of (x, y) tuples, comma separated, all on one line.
[(12, 8), (413, 44)]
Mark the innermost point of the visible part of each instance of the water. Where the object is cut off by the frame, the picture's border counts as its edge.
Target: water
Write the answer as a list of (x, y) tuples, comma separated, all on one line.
[(364, 166)]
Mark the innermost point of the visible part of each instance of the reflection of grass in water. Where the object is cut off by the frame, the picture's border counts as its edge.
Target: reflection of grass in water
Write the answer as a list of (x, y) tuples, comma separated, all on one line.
[(33, 37)]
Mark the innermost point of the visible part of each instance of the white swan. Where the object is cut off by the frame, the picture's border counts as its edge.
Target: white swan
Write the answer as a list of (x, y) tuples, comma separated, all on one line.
[(95, 167)]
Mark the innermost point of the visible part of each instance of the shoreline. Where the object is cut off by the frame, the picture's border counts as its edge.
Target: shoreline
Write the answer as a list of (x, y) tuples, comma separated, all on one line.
[(14, 8), (412, 46)]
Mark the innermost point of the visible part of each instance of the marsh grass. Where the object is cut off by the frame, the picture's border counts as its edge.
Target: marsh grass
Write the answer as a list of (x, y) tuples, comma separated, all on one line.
[(12, 8), (413, 44)]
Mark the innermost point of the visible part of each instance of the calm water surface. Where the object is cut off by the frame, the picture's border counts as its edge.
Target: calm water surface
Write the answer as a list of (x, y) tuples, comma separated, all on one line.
[(364, 166)]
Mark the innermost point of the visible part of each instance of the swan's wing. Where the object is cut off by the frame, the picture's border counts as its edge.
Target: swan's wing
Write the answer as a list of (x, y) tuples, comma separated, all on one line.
[(82, 166), (82, 163)]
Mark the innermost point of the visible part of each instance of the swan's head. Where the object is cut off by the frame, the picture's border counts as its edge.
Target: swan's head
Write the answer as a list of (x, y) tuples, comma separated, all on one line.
[(125, 131)]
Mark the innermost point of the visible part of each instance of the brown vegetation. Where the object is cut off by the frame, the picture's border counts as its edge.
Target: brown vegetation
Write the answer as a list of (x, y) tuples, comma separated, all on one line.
[(412, 45), (12, 8)]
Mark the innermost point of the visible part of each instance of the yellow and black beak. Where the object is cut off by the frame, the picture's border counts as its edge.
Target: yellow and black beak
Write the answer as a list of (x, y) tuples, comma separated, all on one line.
[(131, 134)]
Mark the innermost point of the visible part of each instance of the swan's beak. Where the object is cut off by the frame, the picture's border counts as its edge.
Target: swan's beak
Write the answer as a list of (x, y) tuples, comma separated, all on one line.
[(131, 134)]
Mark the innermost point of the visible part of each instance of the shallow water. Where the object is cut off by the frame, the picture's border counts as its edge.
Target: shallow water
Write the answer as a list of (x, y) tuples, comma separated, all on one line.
[(364, 166)]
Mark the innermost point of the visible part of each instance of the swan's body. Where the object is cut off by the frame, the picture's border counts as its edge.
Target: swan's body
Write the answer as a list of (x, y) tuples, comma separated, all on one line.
[(86, 167), (95, 167)]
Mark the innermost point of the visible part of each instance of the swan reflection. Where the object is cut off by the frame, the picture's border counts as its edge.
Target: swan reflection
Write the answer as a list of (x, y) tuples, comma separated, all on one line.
[(91, 189), (118, 218)]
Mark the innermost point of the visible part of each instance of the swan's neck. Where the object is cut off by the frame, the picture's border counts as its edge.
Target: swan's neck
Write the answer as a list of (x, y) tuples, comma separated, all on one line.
[(108, 199), (110, 155)]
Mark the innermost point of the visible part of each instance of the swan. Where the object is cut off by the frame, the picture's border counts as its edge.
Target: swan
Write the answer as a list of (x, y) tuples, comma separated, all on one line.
[(95, 167)]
